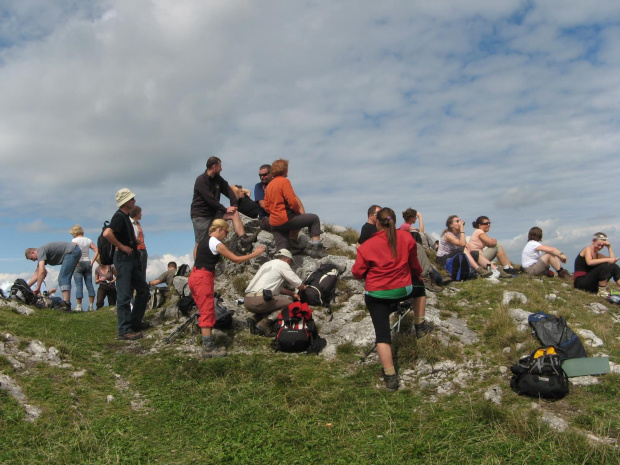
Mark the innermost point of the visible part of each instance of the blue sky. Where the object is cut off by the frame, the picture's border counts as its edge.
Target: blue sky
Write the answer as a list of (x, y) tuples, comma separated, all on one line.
[(506, 109)]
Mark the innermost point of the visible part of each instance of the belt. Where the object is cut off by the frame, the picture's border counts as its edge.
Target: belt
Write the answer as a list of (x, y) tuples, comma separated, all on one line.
[(254, 294)]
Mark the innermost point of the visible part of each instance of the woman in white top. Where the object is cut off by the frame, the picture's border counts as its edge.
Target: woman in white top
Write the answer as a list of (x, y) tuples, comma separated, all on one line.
[(536, 257), (84, 270), (484, 248)]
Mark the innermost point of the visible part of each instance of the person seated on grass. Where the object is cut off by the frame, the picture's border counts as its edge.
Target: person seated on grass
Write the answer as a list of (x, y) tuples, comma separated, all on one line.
[(593, 270), (536, 257), (453, 242), (480, 244)]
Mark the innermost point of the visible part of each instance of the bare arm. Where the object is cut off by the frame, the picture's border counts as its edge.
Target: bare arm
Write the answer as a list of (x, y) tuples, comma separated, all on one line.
[(225, 252), (458, 239), (487, 241), (421, 222), (96, 252), (109, 235), (552, 251), (40, 276)]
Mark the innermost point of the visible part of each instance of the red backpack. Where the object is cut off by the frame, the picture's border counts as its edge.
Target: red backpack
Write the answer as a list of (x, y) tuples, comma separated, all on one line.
[(296, 330)]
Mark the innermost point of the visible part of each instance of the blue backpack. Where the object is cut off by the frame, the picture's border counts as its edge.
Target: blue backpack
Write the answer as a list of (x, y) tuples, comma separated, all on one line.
[(459, 268)]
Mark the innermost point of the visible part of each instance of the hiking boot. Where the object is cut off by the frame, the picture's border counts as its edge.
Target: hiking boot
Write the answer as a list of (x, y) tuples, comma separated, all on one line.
[(131, 336), (78, 308), (483, 272), (264, 328), (503, 273), (245, 243), (603, 292), (213, 351), (66, 307), (391, 382), (564, 274), (317, 251), (510, 270), (251, 322), (423, 329), (429, 285)]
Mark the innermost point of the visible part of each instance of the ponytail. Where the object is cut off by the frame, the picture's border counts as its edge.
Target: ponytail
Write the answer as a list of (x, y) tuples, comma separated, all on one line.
[(387, 219)]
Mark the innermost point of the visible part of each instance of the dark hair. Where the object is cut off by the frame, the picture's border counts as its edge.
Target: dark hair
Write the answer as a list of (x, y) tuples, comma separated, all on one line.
[(135, 211), (410, 213), (535, 234), (448, 223), (387, 218), (212, 161), (173, 264), (373, 209), (265, 167), (480, 219)]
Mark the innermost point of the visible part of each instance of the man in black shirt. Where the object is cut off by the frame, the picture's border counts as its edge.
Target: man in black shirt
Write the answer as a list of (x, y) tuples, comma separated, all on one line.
[(121, 235), (369, 227), (206, 205)]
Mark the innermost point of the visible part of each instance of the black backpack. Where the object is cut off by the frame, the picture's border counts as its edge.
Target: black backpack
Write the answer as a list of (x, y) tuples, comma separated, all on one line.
[(183, 270), (296, 330), (223, 316), (20, 291), (320, 285), (553, 331), (540, 375), (106, 249), (458, 268)]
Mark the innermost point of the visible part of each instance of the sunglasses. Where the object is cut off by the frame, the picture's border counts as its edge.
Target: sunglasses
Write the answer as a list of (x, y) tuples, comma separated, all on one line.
[(484, 224), (262, 175)]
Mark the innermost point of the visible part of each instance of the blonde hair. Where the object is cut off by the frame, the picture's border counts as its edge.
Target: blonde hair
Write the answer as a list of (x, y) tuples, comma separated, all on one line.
[(218, 224), (76, 230), (279, 167)]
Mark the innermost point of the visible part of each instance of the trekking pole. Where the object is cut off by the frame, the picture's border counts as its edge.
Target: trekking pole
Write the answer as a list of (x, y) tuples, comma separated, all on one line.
[(177, 332)]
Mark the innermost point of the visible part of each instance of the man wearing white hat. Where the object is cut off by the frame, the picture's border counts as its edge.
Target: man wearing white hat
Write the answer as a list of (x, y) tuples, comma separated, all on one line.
[(265, 293), (121, 235)]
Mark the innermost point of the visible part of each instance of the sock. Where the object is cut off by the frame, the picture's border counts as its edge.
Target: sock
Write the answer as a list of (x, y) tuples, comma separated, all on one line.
[(207, 340), (418, 320), (507, 266), (389, 371), (316, 243)]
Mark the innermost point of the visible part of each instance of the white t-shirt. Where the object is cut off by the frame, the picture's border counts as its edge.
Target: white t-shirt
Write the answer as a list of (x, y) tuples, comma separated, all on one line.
[(271, 276), (530, 255), (84, 244)]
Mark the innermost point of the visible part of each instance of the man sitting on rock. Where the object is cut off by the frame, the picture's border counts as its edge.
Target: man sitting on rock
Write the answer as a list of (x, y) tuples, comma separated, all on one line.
[(265, 293), (369, 227)]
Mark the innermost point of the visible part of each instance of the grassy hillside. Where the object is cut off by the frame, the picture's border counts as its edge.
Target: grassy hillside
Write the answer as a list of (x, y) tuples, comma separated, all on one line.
[(110, 401)]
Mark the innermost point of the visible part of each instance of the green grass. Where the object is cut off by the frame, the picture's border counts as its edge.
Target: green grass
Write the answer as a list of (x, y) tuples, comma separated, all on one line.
[(257, 406)]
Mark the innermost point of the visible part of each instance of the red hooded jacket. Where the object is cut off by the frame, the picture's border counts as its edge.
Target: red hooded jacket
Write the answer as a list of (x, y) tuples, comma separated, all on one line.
[(383, 272)]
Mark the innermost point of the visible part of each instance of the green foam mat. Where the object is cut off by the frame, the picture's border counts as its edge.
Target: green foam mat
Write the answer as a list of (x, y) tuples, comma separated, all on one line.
[(586, 366)]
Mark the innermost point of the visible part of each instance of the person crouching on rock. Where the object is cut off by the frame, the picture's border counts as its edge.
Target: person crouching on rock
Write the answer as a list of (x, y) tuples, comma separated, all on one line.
[(388, 262), (201, 281), (265, 293)]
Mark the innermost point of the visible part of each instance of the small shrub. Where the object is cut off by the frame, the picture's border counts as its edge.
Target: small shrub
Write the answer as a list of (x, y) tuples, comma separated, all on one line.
[(240, 284)]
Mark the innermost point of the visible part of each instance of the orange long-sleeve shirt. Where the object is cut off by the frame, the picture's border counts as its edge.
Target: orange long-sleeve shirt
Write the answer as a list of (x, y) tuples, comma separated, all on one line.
[(278, 194)]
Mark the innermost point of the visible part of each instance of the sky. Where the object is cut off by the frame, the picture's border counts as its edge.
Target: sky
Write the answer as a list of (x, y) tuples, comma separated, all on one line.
[(506, 109)]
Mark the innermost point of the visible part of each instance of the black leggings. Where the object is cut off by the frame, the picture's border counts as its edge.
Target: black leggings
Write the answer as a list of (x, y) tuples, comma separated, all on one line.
[(380, 310), (602, 272)]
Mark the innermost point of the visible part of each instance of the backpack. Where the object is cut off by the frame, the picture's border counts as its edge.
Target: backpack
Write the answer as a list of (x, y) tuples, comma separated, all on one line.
[(458, 267), (540, 375), (20, 291), (106, 249), (320, 285), (296, 330), (223, 316), (553, 331)]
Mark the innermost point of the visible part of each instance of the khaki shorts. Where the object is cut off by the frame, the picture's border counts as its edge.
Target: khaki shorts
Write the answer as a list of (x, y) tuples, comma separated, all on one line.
[(538, 268)]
